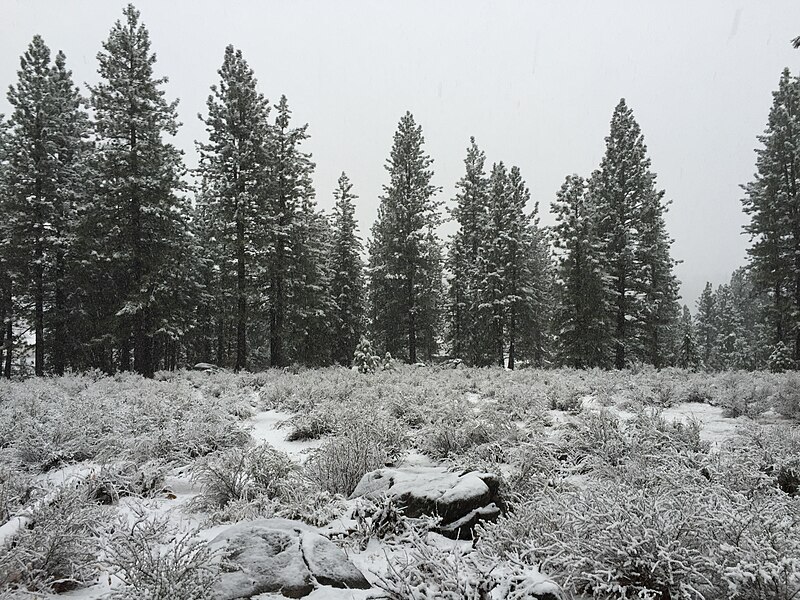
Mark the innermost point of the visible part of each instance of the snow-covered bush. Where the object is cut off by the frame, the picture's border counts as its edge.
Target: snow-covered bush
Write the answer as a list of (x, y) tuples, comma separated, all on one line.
[(242, 474), (379, 519), (16, 490), (430, 572), (612, 541), (50, 421), (57, 548), (315, 507), (154, 560), (118, 480), (340, 463)]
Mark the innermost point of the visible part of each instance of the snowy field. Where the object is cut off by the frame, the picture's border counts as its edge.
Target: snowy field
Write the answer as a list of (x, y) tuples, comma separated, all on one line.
[(414, 482)]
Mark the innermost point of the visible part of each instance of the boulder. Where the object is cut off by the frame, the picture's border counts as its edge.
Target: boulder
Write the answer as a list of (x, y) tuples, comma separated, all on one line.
[(459, 500), (201, 366), (279, 555)]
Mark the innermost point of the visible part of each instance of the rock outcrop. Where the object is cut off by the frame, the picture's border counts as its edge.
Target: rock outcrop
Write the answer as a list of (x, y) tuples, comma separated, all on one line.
[(459, 500), (279, 555)]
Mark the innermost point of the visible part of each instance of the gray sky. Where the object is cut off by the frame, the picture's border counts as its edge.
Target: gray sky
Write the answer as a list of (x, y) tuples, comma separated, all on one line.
[(534, 82)]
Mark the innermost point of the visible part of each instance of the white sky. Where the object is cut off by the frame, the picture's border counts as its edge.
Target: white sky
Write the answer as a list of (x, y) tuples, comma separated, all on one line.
[(535, 82)]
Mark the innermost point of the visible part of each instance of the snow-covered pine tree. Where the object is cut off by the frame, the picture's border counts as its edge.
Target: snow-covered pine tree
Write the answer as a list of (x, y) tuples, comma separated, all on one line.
[(466, 332), (297, 298), (402, 259), (580, 327), (640, 291), (658, 286), (751, 305), (772, 200), (492, 257), (44, 181), (312, 308), (526, 272), (347, 269), (706, 326), (236, 216), (140, 216)]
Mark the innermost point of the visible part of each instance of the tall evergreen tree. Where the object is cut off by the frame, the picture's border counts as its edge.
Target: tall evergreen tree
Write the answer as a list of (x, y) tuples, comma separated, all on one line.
[(706, 326), (634, 248), (513, 270), (403, 252), (140, 217), (580, 317), (772, 200), (465, 331), (296, 277), (237, 217), (347, 283), (44, 176)]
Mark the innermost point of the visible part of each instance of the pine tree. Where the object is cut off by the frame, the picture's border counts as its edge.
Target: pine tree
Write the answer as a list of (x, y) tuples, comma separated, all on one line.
[(538, 291), (579, 320), (296, 279), (658, 286), (491, 261), (772, 200), (403, 252), (140, 218), (466, 331), (237, 217), (706, 326), (347, 283), (634, 248), (44, 176), (687, 354)]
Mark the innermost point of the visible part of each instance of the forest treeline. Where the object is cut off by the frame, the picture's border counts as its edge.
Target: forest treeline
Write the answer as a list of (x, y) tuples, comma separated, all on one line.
[(109, 260)]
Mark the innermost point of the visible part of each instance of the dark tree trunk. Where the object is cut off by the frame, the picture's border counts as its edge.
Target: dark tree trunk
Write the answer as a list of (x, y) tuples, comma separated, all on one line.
[(124, 353), (241, 303), (221, 361), (412, 319), (619, 361), (38, 319), (59, 328), (9, 329)]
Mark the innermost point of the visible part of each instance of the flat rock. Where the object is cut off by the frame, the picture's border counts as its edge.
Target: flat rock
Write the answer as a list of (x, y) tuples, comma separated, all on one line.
[(460, 500), (283, 556)]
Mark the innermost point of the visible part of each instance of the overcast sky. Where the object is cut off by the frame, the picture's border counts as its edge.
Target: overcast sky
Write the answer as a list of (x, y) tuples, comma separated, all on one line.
[(535, 82)]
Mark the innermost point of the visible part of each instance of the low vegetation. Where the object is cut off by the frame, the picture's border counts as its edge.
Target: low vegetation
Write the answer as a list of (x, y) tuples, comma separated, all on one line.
[(605, 494)]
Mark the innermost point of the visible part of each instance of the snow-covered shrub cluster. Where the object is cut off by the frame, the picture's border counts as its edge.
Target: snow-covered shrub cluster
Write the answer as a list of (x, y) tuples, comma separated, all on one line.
[(429, 572), (52, 421), (342, 461), (242, 474), (641, 508), (57, 544), (154, 560)]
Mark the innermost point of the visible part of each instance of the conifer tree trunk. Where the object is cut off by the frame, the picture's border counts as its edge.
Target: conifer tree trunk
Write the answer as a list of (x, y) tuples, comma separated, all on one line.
[(619, 361), (412, 320), (241, 306), (59, 325), (38, 363), (9, 330)]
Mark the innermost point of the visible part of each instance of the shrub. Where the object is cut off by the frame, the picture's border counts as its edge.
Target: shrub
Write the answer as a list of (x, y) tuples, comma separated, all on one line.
[(242, 474), (155, 561), (118, 480), (16, 490), (342, 461), (57, 549), (431, 572)]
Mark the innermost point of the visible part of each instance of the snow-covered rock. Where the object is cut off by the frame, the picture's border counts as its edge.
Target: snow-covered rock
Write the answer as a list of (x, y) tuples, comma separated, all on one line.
[(279, 555), (460, 500)]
